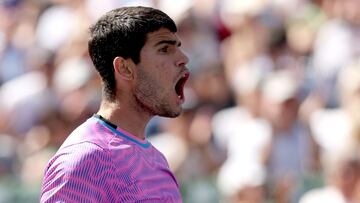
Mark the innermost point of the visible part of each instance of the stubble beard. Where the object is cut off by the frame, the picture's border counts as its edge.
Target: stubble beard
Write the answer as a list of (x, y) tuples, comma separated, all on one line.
[(147, 96), (155, 109)]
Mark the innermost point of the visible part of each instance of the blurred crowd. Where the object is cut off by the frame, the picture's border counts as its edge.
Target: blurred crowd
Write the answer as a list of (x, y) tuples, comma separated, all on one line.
[(272, 112)]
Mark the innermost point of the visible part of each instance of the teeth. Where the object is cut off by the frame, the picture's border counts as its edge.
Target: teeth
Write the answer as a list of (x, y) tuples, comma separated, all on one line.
[(181, 84)]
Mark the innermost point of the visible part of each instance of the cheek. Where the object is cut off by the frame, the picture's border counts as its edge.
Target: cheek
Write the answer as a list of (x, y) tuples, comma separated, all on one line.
[(157, 74), (149, 85), (164, 64), (163, 75)]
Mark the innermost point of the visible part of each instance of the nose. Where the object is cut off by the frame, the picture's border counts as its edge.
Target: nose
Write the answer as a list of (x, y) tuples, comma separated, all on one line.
[(182, 60)]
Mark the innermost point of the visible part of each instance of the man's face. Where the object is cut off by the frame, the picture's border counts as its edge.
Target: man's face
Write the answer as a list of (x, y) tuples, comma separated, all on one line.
[(161, 75)]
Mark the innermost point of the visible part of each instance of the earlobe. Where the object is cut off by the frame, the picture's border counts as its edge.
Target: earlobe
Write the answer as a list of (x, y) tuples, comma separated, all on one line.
[(122, 68)]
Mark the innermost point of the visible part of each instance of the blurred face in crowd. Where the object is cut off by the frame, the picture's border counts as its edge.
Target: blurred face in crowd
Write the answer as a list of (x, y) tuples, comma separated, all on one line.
[(348, 178), (250, 194), (161, 75), (251, 101), (281, 114), (352, 11)]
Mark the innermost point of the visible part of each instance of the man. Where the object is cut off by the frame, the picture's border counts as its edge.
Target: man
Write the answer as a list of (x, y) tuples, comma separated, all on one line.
[(107, 158)]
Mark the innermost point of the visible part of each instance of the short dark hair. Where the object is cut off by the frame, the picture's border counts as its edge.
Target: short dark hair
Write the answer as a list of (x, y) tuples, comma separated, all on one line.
[(122, 32)]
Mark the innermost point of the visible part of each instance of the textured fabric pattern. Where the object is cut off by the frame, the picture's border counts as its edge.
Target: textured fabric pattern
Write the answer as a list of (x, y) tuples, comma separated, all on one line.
[(98, 163)]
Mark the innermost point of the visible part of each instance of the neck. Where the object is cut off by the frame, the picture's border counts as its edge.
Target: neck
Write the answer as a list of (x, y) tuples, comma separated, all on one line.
[(125, 117)]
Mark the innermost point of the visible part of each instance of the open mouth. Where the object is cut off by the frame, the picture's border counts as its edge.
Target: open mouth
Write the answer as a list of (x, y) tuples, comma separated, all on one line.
[(179, 87)]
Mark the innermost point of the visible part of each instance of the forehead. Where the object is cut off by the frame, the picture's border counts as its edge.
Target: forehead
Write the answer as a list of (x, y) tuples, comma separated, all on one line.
[(160, 35)]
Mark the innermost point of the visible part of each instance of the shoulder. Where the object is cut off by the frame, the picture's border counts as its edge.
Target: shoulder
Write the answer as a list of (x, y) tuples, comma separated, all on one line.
[(78, 172), (76, 155), (81, 160), (90, 131)]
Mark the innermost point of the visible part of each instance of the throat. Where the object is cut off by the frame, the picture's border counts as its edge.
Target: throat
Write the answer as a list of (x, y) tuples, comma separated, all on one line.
[(126, 118)]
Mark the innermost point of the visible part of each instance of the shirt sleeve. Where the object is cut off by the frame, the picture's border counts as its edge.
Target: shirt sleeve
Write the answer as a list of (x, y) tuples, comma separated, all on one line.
[(79, 173)]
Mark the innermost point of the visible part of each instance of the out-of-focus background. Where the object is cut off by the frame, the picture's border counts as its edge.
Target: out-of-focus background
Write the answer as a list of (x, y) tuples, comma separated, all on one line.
[(272, 110)]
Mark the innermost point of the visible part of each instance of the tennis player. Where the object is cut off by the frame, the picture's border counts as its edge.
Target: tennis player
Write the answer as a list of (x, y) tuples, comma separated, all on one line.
[(108, 159)]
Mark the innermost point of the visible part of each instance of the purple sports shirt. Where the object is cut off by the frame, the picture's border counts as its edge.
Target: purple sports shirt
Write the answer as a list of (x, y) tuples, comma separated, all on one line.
[(100, 163)]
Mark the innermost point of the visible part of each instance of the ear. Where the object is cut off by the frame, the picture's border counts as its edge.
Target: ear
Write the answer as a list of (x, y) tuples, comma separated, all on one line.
[(123, 68)]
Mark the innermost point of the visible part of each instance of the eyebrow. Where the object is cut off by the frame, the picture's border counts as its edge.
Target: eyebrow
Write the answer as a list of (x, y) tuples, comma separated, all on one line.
[(171, 42)]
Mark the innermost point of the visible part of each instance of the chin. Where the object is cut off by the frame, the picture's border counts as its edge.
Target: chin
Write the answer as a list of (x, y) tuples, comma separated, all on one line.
[(170, 114)]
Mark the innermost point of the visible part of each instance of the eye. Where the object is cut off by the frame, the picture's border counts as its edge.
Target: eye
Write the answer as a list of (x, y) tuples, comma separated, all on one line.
[(164, 49)]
